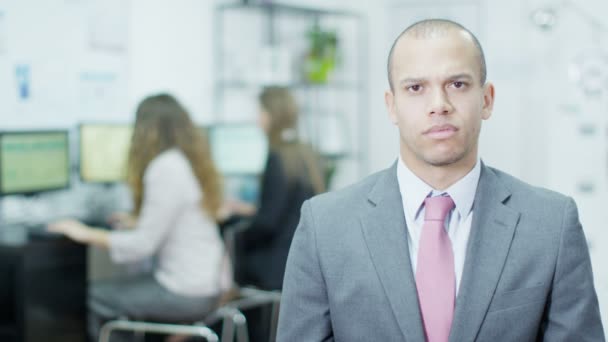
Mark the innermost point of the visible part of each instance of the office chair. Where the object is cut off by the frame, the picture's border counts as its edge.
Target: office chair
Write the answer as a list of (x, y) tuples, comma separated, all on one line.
[(233, 321), (229, 311)]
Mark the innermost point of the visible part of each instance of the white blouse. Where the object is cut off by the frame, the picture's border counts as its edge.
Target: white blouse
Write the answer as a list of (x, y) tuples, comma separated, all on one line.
[(173, 227)]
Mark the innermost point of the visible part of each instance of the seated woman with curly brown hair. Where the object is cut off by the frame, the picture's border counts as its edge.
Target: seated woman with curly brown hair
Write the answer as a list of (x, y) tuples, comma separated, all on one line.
[(177, 193)]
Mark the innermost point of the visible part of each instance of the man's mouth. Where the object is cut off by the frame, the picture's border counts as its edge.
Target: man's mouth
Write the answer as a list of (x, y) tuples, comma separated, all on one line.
[(441, 132)]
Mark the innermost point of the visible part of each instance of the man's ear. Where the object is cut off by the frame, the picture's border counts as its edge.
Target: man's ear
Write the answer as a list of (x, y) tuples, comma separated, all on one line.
[(488, 101), (389, 101)]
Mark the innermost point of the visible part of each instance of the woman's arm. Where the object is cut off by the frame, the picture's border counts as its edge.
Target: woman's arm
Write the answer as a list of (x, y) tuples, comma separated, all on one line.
[(80, 232)]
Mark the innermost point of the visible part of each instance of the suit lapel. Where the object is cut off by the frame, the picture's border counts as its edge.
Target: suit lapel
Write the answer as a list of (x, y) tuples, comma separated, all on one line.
[(385, 233), (491, 234)]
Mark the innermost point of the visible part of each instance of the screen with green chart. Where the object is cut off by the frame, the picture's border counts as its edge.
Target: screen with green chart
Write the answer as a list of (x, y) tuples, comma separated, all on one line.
[(104, 149), (33, 162)]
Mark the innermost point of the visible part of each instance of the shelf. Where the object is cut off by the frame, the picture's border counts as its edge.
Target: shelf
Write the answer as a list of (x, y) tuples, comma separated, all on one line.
[(343, 99), (300, 85), (286, 9)]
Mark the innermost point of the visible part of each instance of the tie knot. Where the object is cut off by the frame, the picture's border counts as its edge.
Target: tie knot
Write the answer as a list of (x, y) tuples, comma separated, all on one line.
[(436, 208)]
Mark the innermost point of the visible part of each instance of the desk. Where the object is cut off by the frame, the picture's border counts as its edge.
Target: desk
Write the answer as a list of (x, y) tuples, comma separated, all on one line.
[(43, 288)]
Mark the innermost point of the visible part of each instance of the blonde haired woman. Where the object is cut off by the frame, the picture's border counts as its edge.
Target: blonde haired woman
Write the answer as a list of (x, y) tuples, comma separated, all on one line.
[(292, 175), (176, 192)]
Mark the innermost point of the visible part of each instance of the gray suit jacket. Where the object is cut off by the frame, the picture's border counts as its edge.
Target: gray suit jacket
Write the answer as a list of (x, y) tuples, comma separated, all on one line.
[(527, 274)]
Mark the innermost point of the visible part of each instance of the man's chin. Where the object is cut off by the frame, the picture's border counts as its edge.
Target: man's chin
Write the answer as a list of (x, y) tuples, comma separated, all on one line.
[(444, 160)]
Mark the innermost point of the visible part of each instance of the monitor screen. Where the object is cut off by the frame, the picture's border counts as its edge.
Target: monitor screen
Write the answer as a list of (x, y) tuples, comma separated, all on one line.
[(104, 149), (238, 149), (32, 162)]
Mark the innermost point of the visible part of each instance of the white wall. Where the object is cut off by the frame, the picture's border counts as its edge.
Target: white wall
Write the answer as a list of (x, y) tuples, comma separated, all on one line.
[(168, 48), (171, 50), (557, 154)]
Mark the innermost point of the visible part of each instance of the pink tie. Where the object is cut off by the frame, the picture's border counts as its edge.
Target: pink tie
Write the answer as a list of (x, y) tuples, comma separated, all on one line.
[(435, 279)]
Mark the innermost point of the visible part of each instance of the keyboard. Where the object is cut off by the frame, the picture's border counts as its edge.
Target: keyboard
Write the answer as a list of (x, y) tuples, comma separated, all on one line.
[(39, 232)]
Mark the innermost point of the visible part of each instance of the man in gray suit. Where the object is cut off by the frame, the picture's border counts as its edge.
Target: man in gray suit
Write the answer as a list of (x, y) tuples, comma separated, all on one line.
[(509, 261)]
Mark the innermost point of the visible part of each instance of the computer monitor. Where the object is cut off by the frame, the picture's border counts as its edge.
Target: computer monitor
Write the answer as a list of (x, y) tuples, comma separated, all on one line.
[(33, 162), (238, 149), (104, 149)]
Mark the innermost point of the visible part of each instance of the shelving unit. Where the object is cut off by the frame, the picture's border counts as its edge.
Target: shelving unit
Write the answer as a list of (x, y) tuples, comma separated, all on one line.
[(266, 43)]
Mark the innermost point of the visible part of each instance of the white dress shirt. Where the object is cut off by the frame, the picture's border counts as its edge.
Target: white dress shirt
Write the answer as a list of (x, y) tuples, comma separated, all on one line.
[(458, 222), (173, 226)]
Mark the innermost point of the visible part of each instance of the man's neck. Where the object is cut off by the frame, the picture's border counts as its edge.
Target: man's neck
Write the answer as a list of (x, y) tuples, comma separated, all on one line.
[(441, 177)]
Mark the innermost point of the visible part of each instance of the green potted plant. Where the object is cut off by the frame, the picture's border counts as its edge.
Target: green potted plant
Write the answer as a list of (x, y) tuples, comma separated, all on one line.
[(321, 57)]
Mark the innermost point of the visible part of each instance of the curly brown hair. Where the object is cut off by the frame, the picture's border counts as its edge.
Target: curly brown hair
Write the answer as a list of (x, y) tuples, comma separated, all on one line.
[(162, 123)]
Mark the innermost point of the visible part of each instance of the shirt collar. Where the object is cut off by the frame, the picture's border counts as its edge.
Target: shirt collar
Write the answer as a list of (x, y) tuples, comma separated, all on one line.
[(462, 192)]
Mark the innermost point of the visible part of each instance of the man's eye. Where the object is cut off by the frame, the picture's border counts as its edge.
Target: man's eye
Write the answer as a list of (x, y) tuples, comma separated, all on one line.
[(414, 88), (458, 84)]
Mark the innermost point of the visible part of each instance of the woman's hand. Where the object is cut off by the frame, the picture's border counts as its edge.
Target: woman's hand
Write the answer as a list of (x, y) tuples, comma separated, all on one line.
[(122, 220), (79, 232), (73, 229), (236, 207)]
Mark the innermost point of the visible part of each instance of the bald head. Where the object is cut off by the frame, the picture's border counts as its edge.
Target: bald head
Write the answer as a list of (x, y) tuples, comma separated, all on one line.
[(434, 28)]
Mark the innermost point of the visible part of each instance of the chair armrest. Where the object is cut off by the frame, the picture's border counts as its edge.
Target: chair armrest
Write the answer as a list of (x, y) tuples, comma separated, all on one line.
[(233, 322), (255, 298), (251, 292), (191, 330)]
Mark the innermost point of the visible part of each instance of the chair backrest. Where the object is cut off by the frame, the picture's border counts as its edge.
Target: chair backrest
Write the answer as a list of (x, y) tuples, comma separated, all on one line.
[(230, 234)]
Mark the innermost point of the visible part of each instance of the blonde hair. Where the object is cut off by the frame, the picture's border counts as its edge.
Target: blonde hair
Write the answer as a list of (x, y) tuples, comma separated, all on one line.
[(300, 161), (162, 123)]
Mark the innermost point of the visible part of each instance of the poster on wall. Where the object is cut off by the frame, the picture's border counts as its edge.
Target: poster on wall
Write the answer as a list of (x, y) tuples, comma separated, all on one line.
[(42, 91), (101, 93), (23, 81), (50, 76)]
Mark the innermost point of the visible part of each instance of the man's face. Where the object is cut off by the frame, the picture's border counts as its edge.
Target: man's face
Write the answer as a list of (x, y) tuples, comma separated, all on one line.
[(438, 100)]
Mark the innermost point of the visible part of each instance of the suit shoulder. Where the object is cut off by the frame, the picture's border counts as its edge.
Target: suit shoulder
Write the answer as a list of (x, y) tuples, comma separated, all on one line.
[(348, 198), (528, 194)]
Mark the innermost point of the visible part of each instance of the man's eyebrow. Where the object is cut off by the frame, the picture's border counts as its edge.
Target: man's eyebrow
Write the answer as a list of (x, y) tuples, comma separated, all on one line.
[(411, 80), (461, 76)]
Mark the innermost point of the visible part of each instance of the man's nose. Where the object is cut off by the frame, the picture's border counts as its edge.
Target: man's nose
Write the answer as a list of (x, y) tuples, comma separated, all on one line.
[(439, 103)]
